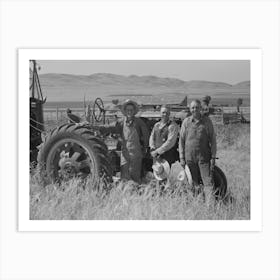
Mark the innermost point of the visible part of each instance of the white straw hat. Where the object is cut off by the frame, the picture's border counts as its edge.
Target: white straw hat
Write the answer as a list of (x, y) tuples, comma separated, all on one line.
[(189, 175), (185, 174), (161, 169)]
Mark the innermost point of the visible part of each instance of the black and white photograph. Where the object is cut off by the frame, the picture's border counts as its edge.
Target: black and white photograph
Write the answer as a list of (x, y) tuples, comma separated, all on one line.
[(140, 139)]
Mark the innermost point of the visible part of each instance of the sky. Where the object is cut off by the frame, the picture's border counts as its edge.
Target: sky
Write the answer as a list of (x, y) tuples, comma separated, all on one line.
[(228, 71)]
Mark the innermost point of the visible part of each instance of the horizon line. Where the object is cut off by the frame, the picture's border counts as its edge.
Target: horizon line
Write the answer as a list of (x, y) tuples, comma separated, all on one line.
[(127, 76)]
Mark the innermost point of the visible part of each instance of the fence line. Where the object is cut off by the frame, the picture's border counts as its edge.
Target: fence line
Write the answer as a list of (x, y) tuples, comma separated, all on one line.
[(58, 115)]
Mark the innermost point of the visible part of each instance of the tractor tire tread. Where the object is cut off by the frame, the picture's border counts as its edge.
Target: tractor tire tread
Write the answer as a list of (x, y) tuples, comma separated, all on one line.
[(98, 147)]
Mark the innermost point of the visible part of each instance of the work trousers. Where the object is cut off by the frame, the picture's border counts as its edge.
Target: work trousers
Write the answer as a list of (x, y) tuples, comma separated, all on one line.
[(131, 170), (201, 170), (171, 155)]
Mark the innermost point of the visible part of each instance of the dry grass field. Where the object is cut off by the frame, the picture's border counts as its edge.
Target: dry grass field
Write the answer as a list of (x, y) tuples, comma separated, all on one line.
[(74, 200)]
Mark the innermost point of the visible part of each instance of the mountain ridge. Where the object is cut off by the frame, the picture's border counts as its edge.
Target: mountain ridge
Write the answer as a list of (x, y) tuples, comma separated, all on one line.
[(58, 86), (109, 77)]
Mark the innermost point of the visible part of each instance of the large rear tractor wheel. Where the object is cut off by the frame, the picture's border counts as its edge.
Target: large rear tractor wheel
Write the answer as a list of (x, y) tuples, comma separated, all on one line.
[(73, 150), (220, 183)]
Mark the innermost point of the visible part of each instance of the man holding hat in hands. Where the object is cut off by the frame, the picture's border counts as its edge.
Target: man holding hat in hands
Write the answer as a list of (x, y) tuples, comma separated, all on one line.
[(197, 147), (164, 136), (135, 140)]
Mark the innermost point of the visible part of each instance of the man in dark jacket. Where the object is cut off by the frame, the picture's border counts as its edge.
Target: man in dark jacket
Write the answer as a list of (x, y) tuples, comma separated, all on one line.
[(197, 147), (164, 136)]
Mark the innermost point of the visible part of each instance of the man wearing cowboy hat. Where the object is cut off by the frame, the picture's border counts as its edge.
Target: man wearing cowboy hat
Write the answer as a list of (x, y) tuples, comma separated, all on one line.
[(135, 140), (197, 147), (163, 139)]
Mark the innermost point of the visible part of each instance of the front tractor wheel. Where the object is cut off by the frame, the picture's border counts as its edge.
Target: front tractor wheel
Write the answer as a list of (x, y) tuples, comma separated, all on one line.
[(73, 150)]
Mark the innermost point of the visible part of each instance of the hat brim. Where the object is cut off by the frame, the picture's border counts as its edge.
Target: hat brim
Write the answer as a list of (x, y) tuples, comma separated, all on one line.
[(130, 102), (181, 175), (189, 175), (166, 171)]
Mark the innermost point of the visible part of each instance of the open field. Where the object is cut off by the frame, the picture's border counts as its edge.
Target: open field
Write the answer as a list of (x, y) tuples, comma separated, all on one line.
[(73, 200)]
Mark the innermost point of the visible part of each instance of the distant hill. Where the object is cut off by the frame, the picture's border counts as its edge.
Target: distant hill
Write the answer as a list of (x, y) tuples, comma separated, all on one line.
[(60, 87), (243, 85), (208, 85)]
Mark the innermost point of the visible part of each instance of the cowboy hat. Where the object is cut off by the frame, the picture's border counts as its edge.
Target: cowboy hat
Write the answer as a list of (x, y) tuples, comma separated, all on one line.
[(185, 174), (161, 169), (130, 102)]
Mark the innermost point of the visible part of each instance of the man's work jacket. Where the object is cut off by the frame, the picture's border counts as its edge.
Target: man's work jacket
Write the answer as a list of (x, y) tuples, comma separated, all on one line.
[(135, 139), (163, 140), (197, 141)]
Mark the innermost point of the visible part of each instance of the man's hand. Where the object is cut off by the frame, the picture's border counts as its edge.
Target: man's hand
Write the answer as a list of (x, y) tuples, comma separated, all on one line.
[(212, 164), (154, 154), (182, 162)]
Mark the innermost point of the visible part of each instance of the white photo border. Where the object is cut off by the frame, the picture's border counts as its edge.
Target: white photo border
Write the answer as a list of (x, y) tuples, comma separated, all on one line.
[(255, 57)]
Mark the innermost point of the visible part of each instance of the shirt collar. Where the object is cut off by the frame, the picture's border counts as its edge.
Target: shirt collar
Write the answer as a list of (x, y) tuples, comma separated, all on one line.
[(128, 122), (197, 121), (162, 124)]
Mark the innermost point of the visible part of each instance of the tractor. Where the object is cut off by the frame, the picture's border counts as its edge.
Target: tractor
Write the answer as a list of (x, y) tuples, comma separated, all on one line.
[(36, 102), (89, 149)]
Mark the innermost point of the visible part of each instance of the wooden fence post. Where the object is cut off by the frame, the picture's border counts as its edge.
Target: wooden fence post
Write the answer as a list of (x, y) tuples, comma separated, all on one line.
[(56, 115)]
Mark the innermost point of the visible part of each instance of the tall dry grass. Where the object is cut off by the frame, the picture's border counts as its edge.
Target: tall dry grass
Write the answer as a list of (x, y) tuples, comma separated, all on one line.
[(76, 200)]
